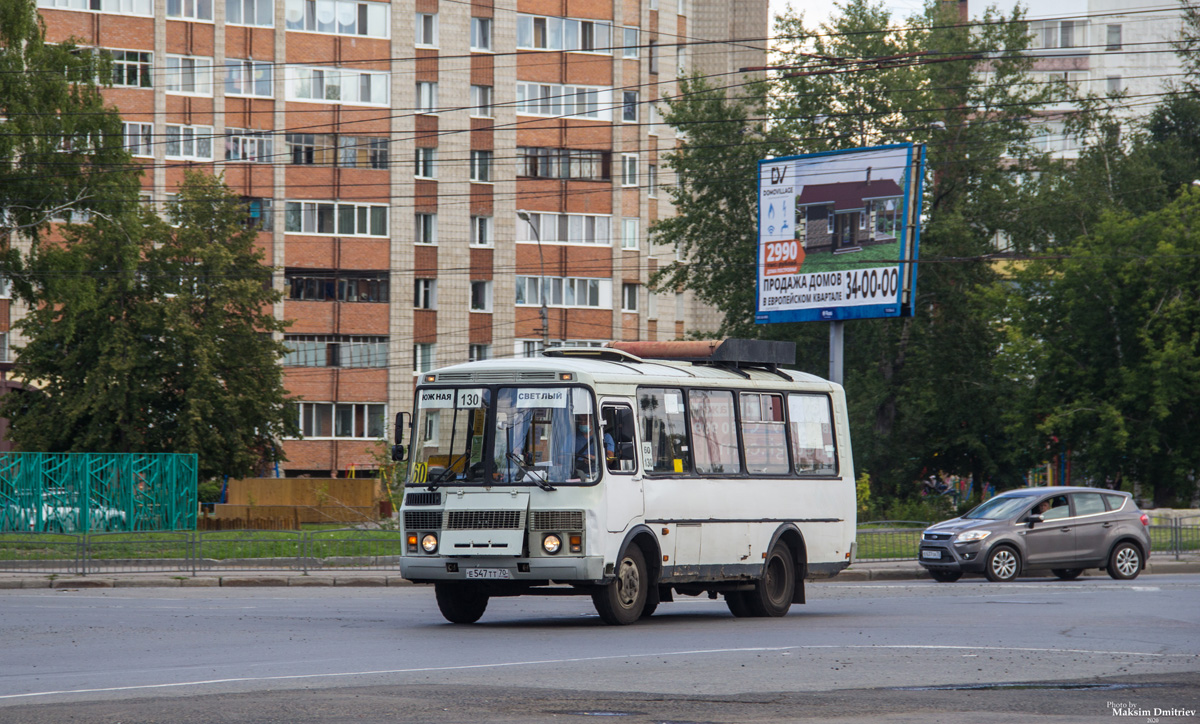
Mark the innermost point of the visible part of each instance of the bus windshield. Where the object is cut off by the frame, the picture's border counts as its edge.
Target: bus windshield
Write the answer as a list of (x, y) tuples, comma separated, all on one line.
[(506, 436)]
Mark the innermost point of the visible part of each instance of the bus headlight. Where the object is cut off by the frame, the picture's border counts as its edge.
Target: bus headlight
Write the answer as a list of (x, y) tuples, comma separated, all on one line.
[(552, 544), (429, 543)]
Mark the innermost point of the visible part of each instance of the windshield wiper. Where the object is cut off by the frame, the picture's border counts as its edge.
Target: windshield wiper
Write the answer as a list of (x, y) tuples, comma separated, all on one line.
[(538, 476), (446, 474)]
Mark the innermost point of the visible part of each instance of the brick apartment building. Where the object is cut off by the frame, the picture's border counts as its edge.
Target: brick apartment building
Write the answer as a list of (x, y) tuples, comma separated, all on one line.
[(386, 149)]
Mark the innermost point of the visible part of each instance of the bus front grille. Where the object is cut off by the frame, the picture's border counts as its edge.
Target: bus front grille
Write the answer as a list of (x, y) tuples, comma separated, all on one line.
[(556, 520), (422, 519), (485, 520)]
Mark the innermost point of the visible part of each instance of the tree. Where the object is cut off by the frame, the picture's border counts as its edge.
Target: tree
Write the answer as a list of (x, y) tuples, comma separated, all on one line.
[(149, 337), (1111, 331), (60, 146)]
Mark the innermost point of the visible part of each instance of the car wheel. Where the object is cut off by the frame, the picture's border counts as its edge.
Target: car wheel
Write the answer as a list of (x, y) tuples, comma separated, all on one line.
[(1003, 565), (945, 576), (622, 601), (1125, 563), (1067, 574), (772, 594), (738, 606), (460, 602)]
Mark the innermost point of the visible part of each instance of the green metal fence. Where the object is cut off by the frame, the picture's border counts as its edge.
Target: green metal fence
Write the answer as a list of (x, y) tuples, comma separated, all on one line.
[(97, 492)]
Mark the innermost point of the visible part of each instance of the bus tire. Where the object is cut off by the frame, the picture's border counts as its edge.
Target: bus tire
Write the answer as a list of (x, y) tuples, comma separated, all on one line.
[(460, 602), (738, 606), (772, 594), (622, 600)]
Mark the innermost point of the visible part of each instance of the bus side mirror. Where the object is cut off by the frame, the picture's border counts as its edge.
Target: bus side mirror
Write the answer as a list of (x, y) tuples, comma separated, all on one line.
[(399, 453), (402, 424)]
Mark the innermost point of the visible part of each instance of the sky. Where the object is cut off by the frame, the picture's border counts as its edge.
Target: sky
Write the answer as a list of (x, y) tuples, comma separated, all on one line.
[(818, 11)]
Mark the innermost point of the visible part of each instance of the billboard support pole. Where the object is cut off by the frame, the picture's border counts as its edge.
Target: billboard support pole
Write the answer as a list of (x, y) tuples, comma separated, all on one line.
[(837, 335)]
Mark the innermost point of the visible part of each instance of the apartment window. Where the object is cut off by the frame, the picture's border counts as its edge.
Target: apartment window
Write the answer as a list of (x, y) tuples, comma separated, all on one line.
[(190, 9), (259, 213), (528, 348), (131, 68), (426, 164), (306, 149), (248, 78), (542, 33), (629, 297), (587, 36), (629, 175), (564, 229), (139, 138), (248, 145), (481, 231), (652, 181), (481, 34), (335, 350), (260, 13), (481, 166), (341, 17), (427, 97), (651, 305), (189, 143), (362, 152), (1050, 34), (424, 357), (337, 85), (426, 229), (564, 163), (479, 352), (544, 99), (362, 421), (629, 233), (189, 75), (563, 292), (1113, 37), (629, 41), (427, 29), (122, 7), (1113, 84), (327, 217), (313, 285), (425, 294), (629, 106), (481, 101), (654, 4), (481, 296), (653, 53)]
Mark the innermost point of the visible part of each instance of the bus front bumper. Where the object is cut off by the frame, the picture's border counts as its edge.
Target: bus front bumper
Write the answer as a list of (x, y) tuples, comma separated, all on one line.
[(450, 568)]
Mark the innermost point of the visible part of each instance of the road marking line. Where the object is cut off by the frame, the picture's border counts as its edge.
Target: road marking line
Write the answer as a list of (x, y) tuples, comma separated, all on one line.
[(543, 662)]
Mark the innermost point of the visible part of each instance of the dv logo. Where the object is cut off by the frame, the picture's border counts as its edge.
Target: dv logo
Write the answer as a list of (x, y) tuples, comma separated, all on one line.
[(778, 174)]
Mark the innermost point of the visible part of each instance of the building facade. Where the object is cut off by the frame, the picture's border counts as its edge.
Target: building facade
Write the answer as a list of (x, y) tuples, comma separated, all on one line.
[(422, 172)]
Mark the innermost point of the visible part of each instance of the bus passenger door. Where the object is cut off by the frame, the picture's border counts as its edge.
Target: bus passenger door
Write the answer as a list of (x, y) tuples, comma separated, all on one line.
[(622, 475)]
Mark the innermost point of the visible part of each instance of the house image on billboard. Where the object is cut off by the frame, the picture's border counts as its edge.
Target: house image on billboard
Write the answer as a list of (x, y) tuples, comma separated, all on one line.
[(849, 216)]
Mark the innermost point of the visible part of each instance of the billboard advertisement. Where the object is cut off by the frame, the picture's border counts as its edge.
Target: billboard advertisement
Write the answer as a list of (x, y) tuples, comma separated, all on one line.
[(838, 234)]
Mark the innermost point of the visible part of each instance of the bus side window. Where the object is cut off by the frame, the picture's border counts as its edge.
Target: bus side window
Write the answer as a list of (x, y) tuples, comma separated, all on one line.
[(664, 434), (619, 439), (763, 435), (810, 424)]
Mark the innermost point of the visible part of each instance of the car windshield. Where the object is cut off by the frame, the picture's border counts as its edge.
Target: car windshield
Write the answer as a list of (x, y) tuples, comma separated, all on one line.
[(537, 436), (999, 508)]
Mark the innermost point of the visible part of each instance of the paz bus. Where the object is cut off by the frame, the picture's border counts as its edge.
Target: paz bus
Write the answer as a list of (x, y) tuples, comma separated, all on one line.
[(630, 473)]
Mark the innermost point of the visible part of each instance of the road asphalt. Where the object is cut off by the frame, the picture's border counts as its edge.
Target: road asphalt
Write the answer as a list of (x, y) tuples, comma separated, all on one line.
[(857, 572)]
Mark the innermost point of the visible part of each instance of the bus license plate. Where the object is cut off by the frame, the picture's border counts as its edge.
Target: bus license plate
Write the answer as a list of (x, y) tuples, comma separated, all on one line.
[(502, 573), (932, 555)]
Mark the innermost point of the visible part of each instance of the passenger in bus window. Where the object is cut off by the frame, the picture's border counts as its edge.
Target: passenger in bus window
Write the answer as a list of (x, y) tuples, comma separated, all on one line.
[(585, 445)]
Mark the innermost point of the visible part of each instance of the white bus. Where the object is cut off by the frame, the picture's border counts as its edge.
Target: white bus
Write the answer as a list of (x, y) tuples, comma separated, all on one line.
[(631, 473)]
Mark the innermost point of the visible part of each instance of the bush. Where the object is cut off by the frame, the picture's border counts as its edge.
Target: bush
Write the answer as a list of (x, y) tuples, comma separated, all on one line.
[(929, 510), (209, 491)]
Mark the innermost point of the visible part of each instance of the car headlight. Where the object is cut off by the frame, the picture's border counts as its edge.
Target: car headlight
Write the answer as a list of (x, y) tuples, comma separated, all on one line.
[(552, 544), (429, 542), (972, 535)]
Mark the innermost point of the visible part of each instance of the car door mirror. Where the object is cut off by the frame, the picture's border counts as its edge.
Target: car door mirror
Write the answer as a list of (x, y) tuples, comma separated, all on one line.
[(1034, 518)]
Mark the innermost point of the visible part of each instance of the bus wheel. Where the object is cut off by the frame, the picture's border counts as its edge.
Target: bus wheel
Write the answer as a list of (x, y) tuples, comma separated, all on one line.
[(772, 594), (736, 600), (622, 601), (460, 602)]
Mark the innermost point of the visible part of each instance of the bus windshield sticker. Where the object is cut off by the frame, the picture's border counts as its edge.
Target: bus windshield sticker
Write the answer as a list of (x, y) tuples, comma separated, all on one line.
[(673, 403), (420, 473), (432, 399), (678, 465), (648, 456), (544, 397), (470, 399)]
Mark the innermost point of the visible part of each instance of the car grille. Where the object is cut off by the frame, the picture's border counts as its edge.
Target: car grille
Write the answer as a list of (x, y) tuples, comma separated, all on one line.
[(423, 499), (936, 536), (422, 519), (485, 520), (556, 520)]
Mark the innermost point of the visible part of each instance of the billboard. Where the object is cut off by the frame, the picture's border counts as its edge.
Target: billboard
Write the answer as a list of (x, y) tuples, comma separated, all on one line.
[(838, 233)]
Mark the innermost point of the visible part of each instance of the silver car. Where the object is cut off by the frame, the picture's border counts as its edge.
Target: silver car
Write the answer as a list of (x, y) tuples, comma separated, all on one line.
[(1063, 529)]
